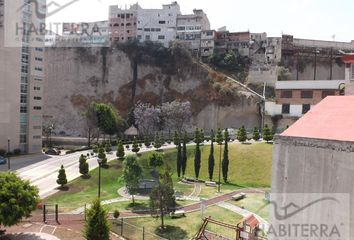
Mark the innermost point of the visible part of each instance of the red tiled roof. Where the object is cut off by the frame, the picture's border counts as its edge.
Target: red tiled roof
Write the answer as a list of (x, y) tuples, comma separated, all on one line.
[(348, 58), (251, 221), (332, 119)]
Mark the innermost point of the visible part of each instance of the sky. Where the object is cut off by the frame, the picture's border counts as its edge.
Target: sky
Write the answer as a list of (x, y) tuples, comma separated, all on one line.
[(310, 19)]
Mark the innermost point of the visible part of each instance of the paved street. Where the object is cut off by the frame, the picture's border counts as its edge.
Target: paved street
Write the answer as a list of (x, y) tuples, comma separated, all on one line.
[(23, 161)]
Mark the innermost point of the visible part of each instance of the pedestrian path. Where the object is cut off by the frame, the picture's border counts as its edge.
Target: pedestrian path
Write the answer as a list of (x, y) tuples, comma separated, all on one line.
[(31, 236), (243, 213)]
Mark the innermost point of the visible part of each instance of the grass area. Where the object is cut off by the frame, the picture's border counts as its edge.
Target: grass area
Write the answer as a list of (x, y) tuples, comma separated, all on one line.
[(184, 227), (250, 164), (210, 192), (254, 203), (83, 191)]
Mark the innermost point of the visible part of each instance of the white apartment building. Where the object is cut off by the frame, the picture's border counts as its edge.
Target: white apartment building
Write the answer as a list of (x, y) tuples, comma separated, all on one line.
[(190, 27), (21, 75), (207, 43), (158, 25)]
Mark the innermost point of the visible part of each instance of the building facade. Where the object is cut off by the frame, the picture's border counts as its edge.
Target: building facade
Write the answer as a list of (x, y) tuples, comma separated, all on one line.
[(349, 74), (22, 76), (190, 27), (207, 43), (158, 25), (296, 98), (123, 23)]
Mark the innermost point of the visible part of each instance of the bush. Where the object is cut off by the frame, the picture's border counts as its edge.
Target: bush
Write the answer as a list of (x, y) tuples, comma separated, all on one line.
[(116, 214), (2, 152), (127, 146), (17, 151)]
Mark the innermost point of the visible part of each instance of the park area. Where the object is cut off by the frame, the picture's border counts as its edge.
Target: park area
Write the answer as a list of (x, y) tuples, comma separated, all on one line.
[(249, 169)]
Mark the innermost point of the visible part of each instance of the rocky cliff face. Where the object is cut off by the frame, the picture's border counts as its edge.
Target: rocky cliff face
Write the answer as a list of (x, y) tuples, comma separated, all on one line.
[(78, 76)]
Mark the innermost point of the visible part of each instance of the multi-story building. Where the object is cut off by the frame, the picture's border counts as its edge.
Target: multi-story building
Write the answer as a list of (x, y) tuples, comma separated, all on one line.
[(293, 99), (349, 73), (158, 25), (207, 43), (190, 27), (22, 75), (238, 42), (123, 23)]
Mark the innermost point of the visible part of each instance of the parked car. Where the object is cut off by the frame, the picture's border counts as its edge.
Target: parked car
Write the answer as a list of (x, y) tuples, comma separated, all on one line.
[(3, 160), (53, 151)]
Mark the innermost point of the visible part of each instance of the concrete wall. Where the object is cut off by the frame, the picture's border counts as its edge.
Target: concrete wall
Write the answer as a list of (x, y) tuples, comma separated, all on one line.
[(302, 165)]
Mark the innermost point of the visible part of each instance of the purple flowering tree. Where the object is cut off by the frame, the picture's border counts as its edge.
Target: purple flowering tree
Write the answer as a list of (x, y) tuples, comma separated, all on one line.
[(147, 118), (176, 115)]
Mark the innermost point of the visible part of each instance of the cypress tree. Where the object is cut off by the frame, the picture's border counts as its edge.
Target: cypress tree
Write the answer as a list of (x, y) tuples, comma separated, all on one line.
[(96, 226), (177, 142), (83, 165), (102, 156), (62, 180), (256, 135), (197, 156), (135, 147), (184, 154), (242, 135), (147, 141), (267, 134), (225, 161), (202, 137), (157, 142), (211, 160), (108, 147), (120, 150)]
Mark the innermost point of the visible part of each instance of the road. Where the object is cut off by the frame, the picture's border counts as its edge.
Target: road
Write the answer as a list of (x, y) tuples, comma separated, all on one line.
[(42, 170)]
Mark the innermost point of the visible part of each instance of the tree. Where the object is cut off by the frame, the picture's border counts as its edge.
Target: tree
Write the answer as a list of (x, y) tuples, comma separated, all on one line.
[(184, 154), (157, 142), (96, 225), (91, 123), (135, 147), (177, 142), (83, 165), (147, 118), (108, 147), (120, 150), (108, 119), (202, 137), (18, 199), (267, 134), (225, 161), (156, 160), (62, 181), (197, 155), (132, 174), (162, 198), (176, 115), (256, 135), (219, 140), (211, 159), (147, 141), (102, 157), (242, 135), (95, 148)]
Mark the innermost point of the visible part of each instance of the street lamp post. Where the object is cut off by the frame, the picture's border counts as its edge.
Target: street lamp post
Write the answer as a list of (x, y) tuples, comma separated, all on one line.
[(8, 155), (219, 185), (99, 177)]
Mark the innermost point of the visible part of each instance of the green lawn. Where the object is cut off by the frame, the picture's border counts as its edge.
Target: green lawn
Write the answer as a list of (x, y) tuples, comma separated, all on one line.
[(254, 203), (250, 164), (83, 191), (184, 227)]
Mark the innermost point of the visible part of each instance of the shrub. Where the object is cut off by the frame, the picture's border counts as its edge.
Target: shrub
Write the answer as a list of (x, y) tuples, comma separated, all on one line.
[(2, 152), (17, 151), (116, 214)]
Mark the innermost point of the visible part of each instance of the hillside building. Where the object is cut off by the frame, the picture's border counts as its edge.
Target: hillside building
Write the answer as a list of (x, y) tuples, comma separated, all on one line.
[(22, 75), (207, 43), (123, 23), (349, 74)]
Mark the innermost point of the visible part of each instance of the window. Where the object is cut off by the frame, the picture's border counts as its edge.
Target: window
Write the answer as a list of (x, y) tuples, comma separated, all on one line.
[(306, 94), (38, 69), (38, 59), (39, 49), (37, 108), (147, 29), (147, 37), (162, 22), (37, 127), (38, 79), (23, 98), (37, 88), (23, 109), (139, 37), (37, 137), (23, 129), (326, 93), (37, 98), (352, 72), (306, 108), (23, 88), (23, 138), (161, 37), (286, 94), (285, 109)]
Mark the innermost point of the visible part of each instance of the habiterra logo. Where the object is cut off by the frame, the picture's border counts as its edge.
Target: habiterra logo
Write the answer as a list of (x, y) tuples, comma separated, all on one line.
[(310, 221), (58, 7)]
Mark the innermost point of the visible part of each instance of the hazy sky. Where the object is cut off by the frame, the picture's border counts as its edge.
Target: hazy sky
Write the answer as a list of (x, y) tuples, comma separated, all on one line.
[(314, 19)]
